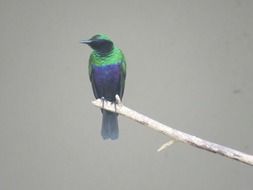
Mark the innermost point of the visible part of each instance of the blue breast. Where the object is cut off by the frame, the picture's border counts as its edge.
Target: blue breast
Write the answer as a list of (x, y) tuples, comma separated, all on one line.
[(106, 81)]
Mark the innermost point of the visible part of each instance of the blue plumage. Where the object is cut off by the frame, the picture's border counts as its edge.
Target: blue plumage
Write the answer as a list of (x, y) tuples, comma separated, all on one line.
[(106, 81)]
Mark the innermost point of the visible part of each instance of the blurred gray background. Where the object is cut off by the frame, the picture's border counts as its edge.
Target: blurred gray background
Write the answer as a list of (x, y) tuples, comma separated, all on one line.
[(189, 66)]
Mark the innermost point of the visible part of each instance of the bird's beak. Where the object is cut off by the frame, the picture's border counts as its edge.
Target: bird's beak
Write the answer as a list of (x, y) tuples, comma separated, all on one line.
[(85, 41)]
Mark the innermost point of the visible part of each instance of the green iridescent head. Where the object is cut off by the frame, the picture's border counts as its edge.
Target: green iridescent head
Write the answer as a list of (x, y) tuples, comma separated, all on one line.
[(100, 43)]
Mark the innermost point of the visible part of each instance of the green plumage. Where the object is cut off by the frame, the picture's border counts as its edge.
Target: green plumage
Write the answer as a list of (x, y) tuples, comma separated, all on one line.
[(114, 57)]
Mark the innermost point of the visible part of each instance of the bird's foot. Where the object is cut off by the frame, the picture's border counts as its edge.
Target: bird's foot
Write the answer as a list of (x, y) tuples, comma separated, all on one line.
[(118, 100)]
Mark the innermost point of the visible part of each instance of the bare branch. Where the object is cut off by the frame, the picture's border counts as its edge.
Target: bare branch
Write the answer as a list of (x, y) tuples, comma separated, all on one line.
[(175, 134)]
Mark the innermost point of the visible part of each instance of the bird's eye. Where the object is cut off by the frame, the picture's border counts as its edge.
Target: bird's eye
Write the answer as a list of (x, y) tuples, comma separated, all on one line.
[(103, 42)]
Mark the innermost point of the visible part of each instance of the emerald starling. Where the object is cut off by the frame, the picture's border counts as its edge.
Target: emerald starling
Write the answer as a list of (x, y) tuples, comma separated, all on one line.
[(107, 72)]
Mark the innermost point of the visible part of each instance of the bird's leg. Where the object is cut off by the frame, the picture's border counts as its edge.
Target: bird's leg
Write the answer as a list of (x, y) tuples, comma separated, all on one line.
[(103, 103), (115, 107)]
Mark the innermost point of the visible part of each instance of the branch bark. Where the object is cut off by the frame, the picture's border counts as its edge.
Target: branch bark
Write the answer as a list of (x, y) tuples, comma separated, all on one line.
[(176, 135)]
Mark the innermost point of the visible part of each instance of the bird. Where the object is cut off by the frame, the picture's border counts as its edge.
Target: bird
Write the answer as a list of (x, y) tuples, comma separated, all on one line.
[(107, 74)]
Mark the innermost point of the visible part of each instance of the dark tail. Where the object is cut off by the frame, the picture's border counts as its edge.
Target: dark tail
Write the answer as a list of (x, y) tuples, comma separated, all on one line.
[(110, 129)]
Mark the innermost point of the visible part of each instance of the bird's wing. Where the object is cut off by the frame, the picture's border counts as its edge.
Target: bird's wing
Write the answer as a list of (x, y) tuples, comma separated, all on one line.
[(122, 77), (92, 78)]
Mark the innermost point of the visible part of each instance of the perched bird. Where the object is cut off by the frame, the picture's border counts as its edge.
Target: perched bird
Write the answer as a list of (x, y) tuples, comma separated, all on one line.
[(107, 72)]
